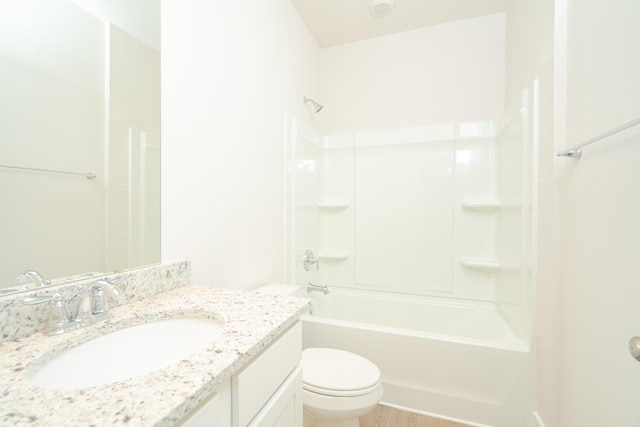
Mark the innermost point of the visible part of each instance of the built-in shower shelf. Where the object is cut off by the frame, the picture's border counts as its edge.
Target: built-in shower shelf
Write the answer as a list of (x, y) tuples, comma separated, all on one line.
[(480, 264), (480, 204), (334, 204), (333, 255)]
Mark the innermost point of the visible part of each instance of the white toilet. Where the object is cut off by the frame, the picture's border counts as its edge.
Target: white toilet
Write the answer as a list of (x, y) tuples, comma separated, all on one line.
[(338, 387)]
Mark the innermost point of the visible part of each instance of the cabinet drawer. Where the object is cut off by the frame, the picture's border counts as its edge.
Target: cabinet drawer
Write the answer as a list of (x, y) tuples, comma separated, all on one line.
[(255, 384)]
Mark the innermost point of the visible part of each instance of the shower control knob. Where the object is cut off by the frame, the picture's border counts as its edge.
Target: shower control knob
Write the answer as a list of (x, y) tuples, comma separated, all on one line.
[(309, 259), (634, 348)]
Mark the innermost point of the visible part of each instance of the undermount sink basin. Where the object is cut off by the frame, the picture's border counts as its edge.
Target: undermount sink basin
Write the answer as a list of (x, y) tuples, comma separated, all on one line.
[(127, 353)]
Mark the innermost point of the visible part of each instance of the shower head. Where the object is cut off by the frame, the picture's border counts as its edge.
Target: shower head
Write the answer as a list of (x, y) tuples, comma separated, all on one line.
[(317, 107)]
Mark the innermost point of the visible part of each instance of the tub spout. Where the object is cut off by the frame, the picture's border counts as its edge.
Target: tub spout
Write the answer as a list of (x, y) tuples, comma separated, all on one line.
[(319, 288)]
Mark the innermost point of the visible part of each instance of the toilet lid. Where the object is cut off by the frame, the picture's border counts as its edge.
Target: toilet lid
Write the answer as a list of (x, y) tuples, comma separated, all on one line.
[(337, 372)]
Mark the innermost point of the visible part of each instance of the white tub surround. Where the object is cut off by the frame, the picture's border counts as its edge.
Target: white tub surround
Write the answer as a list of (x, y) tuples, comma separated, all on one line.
[(435, 210), (251, 322)]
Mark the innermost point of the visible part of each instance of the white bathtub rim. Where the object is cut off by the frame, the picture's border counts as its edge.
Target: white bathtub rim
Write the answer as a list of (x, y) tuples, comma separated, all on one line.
[(444, 301), (407, 297), (512, 344)]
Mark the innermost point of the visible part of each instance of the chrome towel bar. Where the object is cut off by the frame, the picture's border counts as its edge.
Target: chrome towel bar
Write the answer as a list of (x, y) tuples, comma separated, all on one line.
[(576, 151), (87, 175)]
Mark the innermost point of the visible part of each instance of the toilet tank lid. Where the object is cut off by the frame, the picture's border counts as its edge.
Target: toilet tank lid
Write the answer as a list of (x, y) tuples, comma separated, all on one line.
[(339, 370)]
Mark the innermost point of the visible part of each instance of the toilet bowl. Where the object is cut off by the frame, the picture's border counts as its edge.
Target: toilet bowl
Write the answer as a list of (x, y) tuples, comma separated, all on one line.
[(338, 387)]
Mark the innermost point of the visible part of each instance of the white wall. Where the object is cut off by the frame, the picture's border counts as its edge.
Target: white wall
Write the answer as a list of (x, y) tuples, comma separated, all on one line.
[(529, 42), (587, 226), (598, 304), (217, 107), (229, 74), (230, 71), (446, 73), (140, 18)]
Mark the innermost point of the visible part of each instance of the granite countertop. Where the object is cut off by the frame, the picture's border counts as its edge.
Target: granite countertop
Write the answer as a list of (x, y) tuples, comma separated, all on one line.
[(251, 322)]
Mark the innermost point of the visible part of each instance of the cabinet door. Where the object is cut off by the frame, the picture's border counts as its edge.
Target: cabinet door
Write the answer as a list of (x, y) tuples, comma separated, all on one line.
[(254, 386), (284, 409), (215, 411)]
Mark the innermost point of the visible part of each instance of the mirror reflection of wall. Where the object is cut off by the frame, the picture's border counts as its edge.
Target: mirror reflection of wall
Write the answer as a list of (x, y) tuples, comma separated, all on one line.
[(78, 94)]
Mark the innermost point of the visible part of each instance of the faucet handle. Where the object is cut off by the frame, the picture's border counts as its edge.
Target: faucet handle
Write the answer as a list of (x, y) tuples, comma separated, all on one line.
[(308, 259), (98, 300), (58, 319), (98, 304)]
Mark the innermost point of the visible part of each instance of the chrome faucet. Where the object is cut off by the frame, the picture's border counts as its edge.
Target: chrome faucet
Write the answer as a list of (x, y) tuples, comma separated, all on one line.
[(317, 288), (32, 276), (91, 307)]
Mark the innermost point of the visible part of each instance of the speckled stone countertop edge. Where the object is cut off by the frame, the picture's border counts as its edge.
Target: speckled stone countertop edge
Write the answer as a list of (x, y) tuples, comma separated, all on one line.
[(251, 322)]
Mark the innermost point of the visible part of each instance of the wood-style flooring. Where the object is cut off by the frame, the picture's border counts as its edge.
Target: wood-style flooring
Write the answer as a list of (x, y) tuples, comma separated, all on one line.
[(385, 416)]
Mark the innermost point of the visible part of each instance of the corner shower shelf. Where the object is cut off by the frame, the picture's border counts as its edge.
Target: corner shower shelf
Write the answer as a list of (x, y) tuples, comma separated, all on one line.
[(480, 264), (334, 204), (480, 204), (333, 255)]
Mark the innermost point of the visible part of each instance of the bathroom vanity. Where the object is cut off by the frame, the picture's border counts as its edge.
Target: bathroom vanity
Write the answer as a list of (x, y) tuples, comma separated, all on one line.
[(267, 392), (248, 376)]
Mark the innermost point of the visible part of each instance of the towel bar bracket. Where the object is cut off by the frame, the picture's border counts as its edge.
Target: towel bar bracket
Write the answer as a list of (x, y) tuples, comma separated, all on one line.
[(576, 151), (574, 154)]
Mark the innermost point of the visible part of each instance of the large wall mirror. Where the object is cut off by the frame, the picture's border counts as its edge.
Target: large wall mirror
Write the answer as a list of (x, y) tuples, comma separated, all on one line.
[(79, 138)]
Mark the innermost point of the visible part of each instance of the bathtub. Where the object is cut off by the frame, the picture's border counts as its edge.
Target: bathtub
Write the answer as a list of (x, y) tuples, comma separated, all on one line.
[(449, 359)]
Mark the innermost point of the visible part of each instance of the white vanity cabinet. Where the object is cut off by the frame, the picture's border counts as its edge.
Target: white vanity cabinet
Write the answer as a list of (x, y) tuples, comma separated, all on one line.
[(267, 392)]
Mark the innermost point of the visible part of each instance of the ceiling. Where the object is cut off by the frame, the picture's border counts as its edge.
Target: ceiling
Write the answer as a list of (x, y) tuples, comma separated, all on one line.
[(334, 22)]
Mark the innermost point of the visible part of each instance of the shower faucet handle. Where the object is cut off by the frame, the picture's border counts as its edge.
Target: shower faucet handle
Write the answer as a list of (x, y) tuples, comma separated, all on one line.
[(309, 259)]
